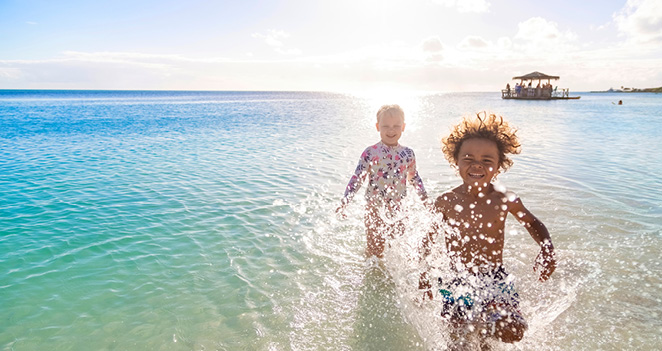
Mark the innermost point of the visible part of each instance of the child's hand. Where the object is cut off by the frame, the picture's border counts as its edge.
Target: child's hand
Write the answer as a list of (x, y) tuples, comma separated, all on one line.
[(545, 261)]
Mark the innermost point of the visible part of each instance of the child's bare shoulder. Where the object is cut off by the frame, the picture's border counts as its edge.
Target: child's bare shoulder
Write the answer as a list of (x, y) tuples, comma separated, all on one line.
[(509, 201), (447, 200), (506, 196)]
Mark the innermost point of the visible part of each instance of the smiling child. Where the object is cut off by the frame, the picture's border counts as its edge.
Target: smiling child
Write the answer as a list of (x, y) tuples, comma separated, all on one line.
[(388, 166), (481, 295)]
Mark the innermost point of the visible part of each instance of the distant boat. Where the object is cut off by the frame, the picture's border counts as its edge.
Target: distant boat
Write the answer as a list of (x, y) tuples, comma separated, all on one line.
[(521, 91)]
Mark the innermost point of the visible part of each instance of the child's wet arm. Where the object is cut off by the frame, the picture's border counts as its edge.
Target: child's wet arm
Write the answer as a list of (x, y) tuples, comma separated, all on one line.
[(533, 225), (546, 258), (416, 181), (538, 231), (357, 179)]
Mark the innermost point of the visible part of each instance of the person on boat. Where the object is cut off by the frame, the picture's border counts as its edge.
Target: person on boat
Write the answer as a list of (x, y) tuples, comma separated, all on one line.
[(548, 90)]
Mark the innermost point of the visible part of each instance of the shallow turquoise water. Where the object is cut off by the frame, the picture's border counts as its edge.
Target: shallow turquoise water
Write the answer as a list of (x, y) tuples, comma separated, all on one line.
[(204, 220)]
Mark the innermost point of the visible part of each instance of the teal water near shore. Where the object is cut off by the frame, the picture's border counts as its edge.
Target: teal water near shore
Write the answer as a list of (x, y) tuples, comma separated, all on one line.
[(135, 220)]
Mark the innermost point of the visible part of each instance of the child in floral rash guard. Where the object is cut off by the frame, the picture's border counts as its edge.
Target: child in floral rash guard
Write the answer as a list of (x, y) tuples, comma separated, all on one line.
[(388, 166)]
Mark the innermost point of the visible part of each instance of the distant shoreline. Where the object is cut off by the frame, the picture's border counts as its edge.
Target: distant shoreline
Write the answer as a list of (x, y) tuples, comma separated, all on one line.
[(631, 90)]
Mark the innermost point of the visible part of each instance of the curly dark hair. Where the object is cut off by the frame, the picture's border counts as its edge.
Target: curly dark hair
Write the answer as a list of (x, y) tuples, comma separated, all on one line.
[(490, 127)]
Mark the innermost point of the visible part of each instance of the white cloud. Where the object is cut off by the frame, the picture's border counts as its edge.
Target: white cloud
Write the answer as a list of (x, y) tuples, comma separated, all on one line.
[(473, 42), (432, 44), (407, 67), (274, 38), (130, 58), (505, 43), (432, 49), (540, 29), (465, 5), (538, 37), (641, 21), (288, 51), (10, 73)]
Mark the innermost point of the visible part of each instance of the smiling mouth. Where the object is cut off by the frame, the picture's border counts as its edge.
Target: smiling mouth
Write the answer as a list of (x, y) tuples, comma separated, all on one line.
[(476, 175)]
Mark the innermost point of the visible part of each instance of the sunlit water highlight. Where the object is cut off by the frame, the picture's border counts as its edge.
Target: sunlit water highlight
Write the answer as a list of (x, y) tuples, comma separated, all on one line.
[(205, 220)]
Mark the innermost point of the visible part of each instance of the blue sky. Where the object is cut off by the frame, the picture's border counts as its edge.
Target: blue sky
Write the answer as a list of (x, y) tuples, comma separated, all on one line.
[(340, 45)]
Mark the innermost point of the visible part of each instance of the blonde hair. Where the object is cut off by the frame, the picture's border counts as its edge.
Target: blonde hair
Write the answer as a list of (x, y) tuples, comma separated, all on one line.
[(490, 127), (390, 110)]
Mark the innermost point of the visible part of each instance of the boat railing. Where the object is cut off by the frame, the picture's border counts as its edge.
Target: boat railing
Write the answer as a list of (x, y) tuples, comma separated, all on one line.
[(563, 93), (530, 93)]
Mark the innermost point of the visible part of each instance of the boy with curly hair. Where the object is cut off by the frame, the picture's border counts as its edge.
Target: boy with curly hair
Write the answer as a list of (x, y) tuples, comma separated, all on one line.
[(481, 296)]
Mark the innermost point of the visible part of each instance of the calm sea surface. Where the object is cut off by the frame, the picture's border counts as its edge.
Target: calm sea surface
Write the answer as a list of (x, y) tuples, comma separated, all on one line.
[(205, 221)]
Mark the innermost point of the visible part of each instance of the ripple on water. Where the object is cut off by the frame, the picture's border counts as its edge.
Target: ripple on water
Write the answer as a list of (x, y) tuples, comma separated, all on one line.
[(208, 222)]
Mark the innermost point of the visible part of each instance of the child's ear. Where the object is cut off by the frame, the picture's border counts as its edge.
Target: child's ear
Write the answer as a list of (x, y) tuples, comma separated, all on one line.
[(403, 126), (377, 125)]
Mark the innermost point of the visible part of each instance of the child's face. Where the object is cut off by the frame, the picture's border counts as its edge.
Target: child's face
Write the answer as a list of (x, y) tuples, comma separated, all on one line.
[(478, 161), (390, 129)]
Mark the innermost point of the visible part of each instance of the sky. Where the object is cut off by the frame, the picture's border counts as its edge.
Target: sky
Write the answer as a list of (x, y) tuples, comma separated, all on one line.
[(334, 45)]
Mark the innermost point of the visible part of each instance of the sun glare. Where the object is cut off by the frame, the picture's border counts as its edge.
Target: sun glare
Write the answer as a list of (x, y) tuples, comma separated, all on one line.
[(410, 101)]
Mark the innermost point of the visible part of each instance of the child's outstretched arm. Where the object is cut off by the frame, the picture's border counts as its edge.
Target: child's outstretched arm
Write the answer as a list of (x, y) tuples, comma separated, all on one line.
[(546, 259), (416, 181), (355, 182)]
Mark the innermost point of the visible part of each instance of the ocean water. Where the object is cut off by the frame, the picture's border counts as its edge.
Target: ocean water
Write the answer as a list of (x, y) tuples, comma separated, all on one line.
[(135, 220)]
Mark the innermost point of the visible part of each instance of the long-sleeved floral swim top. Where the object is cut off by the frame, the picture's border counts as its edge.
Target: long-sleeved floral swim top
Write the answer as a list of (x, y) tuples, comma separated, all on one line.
[(388, 169)]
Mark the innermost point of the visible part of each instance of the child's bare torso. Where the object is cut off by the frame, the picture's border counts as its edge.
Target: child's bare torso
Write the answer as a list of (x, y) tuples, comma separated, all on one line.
[(476, 238)]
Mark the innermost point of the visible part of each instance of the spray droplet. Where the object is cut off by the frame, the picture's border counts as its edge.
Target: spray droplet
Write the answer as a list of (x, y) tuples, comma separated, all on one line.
[(511, 196)]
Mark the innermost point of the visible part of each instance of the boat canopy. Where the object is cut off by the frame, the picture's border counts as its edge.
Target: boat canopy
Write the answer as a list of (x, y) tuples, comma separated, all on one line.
[(535, 75)]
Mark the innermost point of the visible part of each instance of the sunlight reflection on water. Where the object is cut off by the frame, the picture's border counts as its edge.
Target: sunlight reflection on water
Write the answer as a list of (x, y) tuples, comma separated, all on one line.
[(207, 221)]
